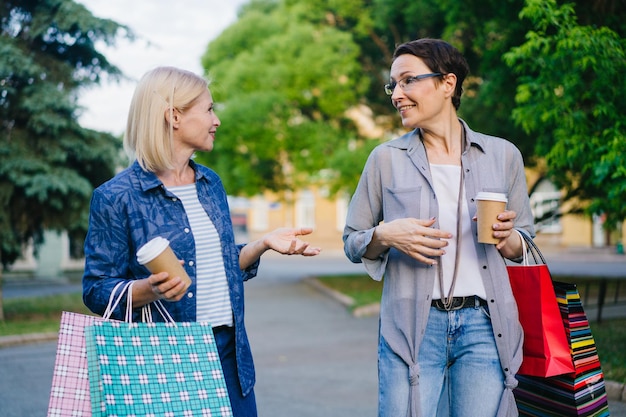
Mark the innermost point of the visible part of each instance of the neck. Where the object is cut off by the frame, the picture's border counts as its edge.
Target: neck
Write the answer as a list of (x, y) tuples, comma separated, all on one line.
[(180, 175), (444, 145)]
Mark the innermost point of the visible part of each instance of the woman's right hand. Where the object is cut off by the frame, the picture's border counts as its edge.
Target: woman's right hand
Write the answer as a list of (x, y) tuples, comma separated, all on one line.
[(166, 288), (414, 237)]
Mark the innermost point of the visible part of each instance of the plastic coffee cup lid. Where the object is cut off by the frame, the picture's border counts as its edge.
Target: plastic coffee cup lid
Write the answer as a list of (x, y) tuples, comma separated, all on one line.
[(484, 195), (152, 249)]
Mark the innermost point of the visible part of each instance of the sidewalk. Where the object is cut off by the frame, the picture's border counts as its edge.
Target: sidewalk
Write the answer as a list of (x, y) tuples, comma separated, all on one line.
[(313, 358)]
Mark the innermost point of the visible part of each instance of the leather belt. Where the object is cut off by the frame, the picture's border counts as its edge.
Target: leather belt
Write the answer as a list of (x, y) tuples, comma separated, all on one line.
[(459, 303)]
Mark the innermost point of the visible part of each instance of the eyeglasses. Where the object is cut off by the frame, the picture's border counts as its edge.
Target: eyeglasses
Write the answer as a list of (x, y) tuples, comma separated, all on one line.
[(406, 83)]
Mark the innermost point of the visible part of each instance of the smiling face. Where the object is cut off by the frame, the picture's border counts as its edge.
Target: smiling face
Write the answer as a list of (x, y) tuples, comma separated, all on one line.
[(194, 129), (419, 102)]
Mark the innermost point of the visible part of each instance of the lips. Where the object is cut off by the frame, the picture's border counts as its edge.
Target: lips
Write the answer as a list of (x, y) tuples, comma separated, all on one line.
[(404, 108)]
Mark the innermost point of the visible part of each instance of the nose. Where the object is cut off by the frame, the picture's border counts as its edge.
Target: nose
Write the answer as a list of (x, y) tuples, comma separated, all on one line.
[(396, 93)]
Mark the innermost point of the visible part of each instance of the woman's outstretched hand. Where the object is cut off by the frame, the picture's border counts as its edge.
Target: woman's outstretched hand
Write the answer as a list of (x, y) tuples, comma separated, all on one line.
[(285, 240)]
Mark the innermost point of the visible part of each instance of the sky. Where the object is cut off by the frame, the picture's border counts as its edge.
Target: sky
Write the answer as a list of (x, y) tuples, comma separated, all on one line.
[(172, 33)]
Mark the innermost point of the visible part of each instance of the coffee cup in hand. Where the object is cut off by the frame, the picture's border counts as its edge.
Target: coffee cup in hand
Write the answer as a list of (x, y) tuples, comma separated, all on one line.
[(157, 256), (489, 206)]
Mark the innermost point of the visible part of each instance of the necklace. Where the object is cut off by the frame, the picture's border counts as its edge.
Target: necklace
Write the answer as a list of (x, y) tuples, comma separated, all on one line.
[(447, 300)]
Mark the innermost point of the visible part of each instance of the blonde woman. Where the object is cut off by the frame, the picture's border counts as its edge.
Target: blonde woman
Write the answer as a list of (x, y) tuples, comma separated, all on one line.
[(164, 193)]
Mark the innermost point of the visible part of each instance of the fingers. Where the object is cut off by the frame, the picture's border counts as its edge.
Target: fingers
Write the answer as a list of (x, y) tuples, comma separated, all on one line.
[(303, 249), (304, 231), (504, 228), (165, 288)]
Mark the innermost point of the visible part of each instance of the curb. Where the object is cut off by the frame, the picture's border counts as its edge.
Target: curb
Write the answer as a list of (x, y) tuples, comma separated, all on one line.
[(21, 339), (615, 391), (363, 311)]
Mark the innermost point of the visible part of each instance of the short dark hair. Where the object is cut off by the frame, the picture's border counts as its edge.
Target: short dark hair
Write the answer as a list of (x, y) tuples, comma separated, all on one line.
[(441, 57)]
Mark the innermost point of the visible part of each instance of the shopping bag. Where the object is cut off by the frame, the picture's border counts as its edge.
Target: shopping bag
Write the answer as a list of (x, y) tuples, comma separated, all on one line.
[(69, 395), (155, 369), (580, 393), (546, 349)]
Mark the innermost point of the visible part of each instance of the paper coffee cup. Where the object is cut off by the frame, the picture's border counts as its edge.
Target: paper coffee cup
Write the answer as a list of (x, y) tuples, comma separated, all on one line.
[(157, 256), (489, 206)]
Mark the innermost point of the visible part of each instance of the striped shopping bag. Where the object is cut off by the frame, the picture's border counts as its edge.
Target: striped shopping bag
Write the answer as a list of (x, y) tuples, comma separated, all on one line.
[(581, 393)]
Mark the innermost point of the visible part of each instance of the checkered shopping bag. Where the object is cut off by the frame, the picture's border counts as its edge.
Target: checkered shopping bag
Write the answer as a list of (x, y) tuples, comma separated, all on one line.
[(70, 392), (69, 395), (155, 369)]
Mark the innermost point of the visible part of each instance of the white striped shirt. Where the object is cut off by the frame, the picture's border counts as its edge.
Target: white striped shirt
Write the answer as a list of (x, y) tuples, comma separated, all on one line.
[(212, 295)]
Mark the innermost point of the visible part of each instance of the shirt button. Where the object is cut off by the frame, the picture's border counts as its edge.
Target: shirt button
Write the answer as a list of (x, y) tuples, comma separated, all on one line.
[(190, 263), (189, 294), (174, 199), (186, 230)]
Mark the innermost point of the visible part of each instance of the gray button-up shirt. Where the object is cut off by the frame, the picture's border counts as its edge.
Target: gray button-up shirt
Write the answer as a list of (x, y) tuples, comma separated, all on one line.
[(396, 183)]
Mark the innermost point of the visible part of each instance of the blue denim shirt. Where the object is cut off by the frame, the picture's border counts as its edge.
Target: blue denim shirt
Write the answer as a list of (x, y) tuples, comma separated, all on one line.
[(134, 207)]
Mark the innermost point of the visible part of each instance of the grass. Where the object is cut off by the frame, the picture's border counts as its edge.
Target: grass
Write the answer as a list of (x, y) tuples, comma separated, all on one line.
[(610, 335), (38, 314)]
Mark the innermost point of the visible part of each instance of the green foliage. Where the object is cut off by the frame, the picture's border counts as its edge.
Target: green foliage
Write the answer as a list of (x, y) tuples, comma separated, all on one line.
[(49, 164), (283, 85), (275, 74), (570, 97)]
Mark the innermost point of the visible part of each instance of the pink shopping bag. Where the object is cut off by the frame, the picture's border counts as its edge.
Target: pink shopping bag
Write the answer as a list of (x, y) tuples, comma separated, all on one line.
[(69, 395)]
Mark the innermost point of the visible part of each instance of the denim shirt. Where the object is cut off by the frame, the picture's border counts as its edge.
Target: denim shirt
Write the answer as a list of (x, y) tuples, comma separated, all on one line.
[(134, 207)]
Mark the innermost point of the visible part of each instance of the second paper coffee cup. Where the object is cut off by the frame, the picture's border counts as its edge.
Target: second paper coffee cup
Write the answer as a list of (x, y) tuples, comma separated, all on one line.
[(157, 256), (489, 206)]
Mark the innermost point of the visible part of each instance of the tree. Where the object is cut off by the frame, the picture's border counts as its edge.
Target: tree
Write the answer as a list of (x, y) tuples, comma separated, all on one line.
[(570, 96), (284, 82), (49, 164)]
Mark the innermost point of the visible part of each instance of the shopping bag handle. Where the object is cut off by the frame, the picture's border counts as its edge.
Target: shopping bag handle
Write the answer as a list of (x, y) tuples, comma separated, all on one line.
[(114, 302), (529, 246), (146, 312)]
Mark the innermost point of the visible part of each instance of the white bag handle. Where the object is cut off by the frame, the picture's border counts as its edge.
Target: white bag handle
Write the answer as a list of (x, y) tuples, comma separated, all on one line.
[(113, 302), (529, 245), (524, 248), (146, 312)]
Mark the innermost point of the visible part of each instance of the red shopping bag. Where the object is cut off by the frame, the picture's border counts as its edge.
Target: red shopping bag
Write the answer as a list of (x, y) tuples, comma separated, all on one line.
[(546, 348)]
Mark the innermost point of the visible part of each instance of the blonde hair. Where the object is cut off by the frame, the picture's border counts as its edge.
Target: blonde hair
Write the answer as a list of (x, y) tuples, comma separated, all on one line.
[(149, 135)]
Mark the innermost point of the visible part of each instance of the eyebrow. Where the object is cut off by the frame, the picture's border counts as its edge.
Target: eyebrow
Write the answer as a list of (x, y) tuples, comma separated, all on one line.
[(402, 75)]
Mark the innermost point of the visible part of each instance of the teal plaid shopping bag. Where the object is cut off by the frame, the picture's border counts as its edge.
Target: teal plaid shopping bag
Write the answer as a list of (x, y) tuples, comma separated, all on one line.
[(155, 369)]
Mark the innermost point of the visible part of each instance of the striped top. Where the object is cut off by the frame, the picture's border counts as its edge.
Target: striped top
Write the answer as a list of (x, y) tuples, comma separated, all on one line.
[(212, 295)]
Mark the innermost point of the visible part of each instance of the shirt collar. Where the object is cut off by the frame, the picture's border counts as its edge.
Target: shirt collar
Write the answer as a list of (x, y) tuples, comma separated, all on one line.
[(149, 180), (411, 139)]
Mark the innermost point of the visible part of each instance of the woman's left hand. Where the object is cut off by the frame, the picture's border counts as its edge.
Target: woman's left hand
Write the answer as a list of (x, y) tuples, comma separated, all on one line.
[(285, 240), (503, 230)]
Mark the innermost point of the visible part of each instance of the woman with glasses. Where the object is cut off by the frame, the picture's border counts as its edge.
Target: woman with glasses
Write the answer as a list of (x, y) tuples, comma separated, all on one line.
[(450, 341), (165, 193)]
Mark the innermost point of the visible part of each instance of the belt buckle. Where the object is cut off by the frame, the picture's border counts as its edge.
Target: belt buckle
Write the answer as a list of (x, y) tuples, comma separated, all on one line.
[(458, 303)]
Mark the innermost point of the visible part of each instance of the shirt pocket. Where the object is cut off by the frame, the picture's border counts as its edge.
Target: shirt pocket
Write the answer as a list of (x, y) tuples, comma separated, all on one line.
[(403, 202)]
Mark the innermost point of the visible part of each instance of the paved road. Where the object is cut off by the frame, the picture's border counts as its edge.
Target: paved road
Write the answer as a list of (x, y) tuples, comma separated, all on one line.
[(312, 357)]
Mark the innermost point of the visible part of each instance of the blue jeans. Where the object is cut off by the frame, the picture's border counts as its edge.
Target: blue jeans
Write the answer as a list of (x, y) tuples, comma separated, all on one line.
[(242, 406), (460, 372)]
